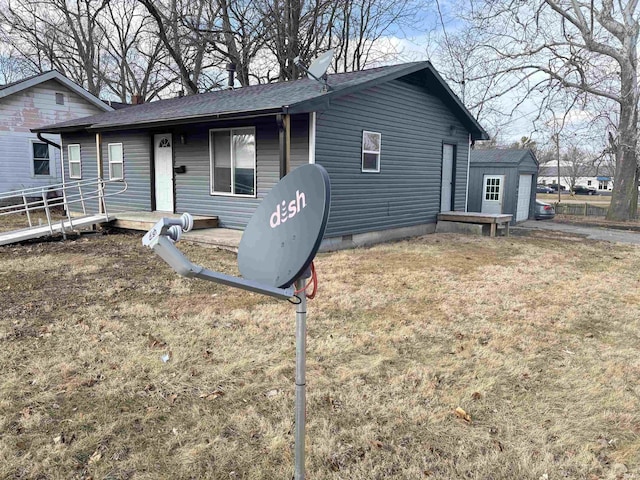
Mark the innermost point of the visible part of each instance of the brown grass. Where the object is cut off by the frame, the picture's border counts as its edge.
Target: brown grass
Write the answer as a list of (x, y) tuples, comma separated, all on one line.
[(536, 339)]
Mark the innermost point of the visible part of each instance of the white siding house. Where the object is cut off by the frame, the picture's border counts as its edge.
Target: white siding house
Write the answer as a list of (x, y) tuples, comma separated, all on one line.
[(584, 175), (26, 161)]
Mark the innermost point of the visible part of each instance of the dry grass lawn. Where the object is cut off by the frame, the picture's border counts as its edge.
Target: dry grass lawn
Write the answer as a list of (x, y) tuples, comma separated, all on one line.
[(537, 339)]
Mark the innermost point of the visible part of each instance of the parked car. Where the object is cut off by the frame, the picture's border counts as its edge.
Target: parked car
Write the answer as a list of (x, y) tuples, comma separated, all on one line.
[(554, 187), (582, 190), (543, 189), (544, 211)]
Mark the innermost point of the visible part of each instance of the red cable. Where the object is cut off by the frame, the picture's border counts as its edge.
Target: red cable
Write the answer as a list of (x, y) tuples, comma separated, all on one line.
[(314, 280)]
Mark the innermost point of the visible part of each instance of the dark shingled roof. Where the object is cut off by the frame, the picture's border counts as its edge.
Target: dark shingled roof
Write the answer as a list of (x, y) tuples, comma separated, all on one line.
[(298, 96), (504, 156)]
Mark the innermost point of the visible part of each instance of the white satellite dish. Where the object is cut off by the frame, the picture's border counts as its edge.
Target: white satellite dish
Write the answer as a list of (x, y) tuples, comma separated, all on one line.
[(318, 68)]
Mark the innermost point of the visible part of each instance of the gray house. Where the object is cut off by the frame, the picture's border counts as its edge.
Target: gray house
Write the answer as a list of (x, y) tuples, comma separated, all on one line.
[(503, 181), (394, 140)]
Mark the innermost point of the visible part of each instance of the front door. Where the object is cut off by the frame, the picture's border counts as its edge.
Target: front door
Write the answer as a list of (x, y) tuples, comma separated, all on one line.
[(163, 165), (446, 189), (492, 193)]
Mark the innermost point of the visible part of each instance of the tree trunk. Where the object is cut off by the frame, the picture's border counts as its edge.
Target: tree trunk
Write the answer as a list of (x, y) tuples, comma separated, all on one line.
[(624, 199)]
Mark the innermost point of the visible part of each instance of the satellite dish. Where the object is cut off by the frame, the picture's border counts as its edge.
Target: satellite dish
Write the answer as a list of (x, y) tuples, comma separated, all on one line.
[(285, 232), (318, 68)]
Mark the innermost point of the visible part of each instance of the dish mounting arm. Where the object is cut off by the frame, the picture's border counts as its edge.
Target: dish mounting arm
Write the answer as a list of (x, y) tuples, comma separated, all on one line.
[(161, 239)]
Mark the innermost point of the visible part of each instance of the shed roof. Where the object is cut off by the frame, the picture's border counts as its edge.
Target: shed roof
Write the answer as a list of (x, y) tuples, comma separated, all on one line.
[(18, 86), (503, 156), (297, 96)]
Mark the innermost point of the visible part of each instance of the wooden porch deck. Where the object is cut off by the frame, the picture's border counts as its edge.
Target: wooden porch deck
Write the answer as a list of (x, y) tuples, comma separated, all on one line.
[(143, 221), (493, 219)]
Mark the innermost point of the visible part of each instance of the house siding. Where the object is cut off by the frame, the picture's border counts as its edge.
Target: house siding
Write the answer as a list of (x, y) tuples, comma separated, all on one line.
[(31, 108), (136, 151), (414, 126), (89, 170), (193, 190)]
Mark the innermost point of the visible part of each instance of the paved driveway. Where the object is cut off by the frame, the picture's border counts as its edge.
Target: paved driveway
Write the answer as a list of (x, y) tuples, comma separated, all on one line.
[(592, 233)]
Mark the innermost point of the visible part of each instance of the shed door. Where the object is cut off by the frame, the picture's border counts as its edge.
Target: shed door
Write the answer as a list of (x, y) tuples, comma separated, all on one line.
[(446, 189), (492, 194), (163, 163), (524, 197)]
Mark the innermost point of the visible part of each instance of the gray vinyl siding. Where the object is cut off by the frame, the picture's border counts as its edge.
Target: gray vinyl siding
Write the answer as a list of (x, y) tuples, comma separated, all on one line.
[(193, 189), (136, 151), (414, 125), (89, 169), (136, 147)]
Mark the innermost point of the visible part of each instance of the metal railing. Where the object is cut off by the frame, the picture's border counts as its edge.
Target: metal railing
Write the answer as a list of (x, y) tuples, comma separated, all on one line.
[(46, 198)]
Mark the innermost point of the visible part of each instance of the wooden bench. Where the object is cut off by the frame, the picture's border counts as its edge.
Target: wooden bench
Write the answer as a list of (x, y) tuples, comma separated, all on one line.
[(493, 219)]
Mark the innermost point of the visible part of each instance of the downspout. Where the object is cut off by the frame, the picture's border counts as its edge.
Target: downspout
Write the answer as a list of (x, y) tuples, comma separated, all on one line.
[(55, 145), (47, 141), (466, 194)]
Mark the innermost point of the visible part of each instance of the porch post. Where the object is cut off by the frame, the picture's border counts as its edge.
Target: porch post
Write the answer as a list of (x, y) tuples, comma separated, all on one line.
[(100, 169)]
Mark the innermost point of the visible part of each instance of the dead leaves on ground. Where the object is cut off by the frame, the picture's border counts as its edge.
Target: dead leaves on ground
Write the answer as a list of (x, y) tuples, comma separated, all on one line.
[(212, 395), (462, 414)]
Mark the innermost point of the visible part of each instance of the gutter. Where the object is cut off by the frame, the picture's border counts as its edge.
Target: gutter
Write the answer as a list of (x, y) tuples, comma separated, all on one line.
[(47, 141)]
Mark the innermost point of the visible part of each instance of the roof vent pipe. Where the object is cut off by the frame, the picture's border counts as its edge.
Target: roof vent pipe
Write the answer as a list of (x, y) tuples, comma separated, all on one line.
[(231, 69)]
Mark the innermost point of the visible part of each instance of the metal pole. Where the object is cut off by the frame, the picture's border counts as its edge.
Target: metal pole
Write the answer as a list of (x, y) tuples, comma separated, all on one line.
[(301, 349)]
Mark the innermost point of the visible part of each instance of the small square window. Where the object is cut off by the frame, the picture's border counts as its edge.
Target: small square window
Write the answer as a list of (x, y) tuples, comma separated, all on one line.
[(371, 147), (59, 98)]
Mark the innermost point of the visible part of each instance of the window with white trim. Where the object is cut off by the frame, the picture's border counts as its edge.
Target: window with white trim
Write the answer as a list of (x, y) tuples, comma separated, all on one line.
[(232, 154), (40, 159), (116, 161), (371, 144), (59, 98), (603, 185), (75, 167), (492, 189)]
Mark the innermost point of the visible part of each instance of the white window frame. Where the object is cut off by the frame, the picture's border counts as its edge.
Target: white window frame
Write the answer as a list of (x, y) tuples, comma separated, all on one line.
[(378, 153), (111, 161), (233, 166), (33, 159), (62, 96), (69, 161), (500, 186)]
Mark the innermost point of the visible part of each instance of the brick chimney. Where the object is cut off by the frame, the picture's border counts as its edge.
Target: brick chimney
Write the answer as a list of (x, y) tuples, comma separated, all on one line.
[(137, 100)]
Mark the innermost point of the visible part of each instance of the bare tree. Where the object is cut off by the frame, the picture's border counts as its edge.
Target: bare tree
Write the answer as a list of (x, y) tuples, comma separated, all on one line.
[(586, 51), (135, 56), (576, 163)]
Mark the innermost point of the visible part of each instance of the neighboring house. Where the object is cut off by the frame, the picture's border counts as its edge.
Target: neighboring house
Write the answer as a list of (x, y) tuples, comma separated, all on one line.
[(25, 160), (503, 181), (585, 175), (387, 137)]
